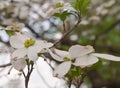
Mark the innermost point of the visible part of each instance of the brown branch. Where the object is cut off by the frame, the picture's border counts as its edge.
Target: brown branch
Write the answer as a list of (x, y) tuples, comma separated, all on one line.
[(64, 27), (69, 31), (27, 77), (5, 65), (70, 83), (81, 80)]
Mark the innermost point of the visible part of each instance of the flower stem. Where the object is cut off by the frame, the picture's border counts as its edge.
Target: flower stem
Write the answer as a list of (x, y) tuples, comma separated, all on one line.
[(27, 77), (70, 83), (83, 75)]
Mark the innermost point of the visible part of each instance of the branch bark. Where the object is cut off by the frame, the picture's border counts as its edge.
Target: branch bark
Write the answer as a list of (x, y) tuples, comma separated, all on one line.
[(5, 65), (69, 31)]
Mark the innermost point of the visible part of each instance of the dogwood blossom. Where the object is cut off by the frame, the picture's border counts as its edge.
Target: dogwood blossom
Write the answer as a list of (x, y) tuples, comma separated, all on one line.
[(68, 58), (77, 55), (16, 26), (91, 58), (26, 48), (59, 7)]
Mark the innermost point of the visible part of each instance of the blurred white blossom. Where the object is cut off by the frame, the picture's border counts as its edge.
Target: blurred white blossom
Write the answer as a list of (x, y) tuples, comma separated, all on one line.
[(26, 48)]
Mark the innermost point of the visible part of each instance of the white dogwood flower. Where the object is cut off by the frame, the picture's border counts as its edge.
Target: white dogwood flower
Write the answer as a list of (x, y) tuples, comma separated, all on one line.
[(68, 58), (77, 55), (59, 7), (92, 58), (26, 48)]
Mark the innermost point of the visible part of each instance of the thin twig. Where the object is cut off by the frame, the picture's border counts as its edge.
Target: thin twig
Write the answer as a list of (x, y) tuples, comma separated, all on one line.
[(10, 70), (81, 80), (64, 27), (27, 76), (24, 74), (69, 31), (5, 65), (47, 62), (70, 83)]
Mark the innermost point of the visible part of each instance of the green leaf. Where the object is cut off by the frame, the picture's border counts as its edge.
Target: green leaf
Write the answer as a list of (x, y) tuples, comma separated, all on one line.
[(81, 6), (56, 15), (75, 5), (10, 32), (39, 54), (64, 15), (74, 72)]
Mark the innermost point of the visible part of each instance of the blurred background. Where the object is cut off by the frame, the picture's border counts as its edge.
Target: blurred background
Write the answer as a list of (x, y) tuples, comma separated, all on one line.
[(100, 28)]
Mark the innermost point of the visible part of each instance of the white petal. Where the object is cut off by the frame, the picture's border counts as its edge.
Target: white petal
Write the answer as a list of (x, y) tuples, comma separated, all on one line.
[(55, 56), (37, 48), (43, 44), (23, 36), (77, 50), (27, 35), (18, 59), (33, 52), (17, 41), (18, 63), (62, 69), (107, 56), (19, 53), (85, 61), (61, 53)]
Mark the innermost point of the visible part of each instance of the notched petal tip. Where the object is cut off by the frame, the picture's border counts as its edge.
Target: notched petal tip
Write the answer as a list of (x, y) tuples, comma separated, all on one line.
[(18, 63), (62, 69), (76, 51)]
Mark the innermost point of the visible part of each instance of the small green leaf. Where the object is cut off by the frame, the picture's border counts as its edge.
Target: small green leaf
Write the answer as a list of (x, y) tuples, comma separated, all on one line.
[(39, 54), (81, 6), (27, 61), (64, 15), (56, 15), (10, 32)]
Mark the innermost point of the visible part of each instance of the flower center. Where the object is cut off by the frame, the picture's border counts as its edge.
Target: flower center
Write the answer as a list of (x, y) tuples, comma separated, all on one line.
[(58, 4), (66, 59), (29, 43)]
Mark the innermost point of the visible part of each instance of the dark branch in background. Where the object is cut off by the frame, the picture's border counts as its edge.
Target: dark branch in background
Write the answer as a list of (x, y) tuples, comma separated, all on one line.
[(105, 31), (5, 65), (33, 31)]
